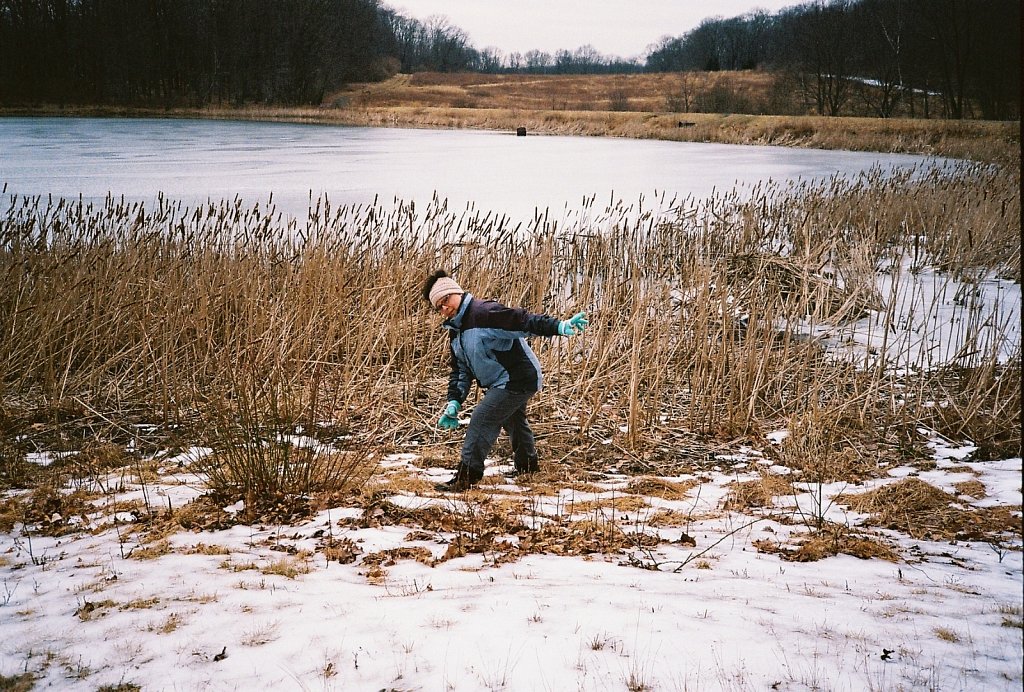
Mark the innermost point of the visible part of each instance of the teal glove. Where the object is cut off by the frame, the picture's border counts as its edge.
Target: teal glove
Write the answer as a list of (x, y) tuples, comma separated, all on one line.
[(450, 418), (574, 325)]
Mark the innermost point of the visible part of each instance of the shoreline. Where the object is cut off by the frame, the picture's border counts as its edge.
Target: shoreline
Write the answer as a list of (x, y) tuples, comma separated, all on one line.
[(986, 141)]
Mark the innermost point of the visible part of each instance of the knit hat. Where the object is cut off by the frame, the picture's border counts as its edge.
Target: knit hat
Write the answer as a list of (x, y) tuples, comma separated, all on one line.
[(442, 288)]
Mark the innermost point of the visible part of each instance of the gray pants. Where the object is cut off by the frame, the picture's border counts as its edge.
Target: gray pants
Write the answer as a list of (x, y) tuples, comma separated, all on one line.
[(499, 409)]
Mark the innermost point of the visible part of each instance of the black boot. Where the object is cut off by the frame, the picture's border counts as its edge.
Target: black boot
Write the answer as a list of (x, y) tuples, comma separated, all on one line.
[(525, 467), (463, 479)]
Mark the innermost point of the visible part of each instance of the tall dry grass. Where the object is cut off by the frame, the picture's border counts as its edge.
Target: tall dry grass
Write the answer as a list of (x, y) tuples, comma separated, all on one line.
[(702, 320), (975, 140)]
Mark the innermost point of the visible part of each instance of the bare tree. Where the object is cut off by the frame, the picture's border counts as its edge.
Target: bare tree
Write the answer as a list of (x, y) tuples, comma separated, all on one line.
[(819, 52), (949, 28), (491, 60), (538, 61), (880, 27)]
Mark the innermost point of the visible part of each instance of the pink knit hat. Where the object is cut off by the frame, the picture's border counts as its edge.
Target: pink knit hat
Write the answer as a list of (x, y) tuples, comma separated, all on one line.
[(442, 288)]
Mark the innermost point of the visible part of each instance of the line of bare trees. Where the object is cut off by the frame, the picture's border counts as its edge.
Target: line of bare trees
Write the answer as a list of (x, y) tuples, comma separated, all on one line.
[(948, 58), (930, 58), (583, 60), (199, 52)]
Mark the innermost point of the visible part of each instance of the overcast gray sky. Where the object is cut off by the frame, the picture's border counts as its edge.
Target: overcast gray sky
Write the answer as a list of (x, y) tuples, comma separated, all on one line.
[(614, 27)]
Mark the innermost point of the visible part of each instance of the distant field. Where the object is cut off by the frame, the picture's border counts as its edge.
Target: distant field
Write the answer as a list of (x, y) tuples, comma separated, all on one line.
[(695, 107), (708, 91)]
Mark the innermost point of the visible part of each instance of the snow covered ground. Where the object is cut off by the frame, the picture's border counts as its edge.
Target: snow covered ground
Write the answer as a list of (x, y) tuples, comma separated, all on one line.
[(597, 585), (261, 607)]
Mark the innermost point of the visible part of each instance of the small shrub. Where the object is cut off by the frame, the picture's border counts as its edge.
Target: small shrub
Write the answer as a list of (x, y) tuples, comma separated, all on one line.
[(1011, 616), (342, 550), (152, 551), (15, 471), (829, 540), (924, 511), (90, 610), (18, 683), (256, 459), (141, 604), (619, 101), (169, 625), (659, 487), (983, 405), (758, 493), (287, 567), (972, 488)]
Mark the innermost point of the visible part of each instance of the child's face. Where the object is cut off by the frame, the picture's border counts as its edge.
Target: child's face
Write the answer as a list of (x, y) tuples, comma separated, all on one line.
[(449, 305)]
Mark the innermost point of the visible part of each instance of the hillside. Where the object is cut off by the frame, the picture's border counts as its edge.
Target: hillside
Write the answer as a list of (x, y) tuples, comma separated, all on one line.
[(673, 91)]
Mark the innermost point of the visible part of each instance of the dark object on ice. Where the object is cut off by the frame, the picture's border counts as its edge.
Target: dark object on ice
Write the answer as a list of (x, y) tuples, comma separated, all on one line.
[(520, 132)]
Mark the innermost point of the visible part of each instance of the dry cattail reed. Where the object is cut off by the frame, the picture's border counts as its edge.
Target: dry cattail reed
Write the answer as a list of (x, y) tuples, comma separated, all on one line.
[(719, 318)]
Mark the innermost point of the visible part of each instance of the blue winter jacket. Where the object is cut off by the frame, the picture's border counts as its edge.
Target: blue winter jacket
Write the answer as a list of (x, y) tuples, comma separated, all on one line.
[(488, 343)]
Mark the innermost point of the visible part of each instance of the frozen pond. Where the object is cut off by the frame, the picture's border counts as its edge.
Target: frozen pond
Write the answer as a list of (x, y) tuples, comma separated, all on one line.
[(197, 160)]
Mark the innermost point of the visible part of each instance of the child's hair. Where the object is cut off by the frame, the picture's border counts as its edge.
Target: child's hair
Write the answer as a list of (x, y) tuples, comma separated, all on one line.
[(431, 280)]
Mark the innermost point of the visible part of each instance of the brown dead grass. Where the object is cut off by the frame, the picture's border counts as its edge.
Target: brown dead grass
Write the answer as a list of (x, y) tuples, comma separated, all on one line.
[(923, 511), (289, 567), (18, 683), (342, 551), (830, 540), (95, 458), (581, 538), (668, 517), (393, 555), (49, 510), (488, 527), (637, 92), (169, 624), (403, 481), (201, 514), (584, 487), (11, 513), (587, 105), (204, 549), (972, 488), (379, 513), (608, 506), (152, 551), (141, 604), (658, 487), (92, 610), (758, 493)]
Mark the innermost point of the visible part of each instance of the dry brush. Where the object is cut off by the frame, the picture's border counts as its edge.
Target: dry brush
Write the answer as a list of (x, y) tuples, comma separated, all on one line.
[(703, 318)]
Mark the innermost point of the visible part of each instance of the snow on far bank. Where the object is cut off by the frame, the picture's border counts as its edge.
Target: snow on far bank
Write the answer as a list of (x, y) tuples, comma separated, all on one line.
[(939, 320)]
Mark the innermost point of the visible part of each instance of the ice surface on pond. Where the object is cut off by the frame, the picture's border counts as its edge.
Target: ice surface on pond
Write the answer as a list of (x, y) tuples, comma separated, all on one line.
[(195, 161)]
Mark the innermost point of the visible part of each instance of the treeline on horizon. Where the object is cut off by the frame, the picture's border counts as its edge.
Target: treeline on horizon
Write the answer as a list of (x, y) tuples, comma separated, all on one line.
[(964, 53)]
